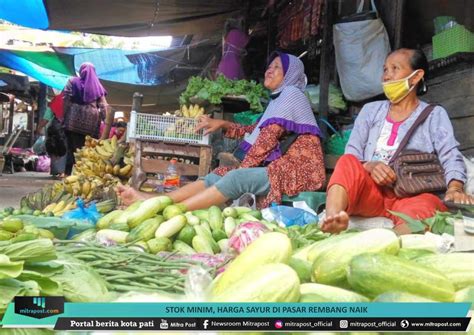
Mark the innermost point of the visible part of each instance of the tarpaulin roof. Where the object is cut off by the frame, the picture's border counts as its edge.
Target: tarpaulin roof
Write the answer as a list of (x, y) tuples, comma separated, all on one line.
[(122, 72), (13, 82), (122, 17), (34, 36), (125, 66)]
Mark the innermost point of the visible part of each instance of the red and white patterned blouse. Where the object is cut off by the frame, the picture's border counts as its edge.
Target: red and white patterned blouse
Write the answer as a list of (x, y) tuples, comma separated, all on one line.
[(300, 169)]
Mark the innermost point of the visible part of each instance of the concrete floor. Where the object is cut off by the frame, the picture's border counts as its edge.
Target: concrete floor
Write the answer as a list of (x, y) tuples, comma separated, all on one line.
[(14, 186)]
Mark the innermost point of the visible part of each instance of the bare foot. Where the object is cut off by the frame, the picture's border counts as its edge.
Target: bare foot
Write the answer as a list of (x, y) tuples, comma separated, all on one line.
[(335, 223)]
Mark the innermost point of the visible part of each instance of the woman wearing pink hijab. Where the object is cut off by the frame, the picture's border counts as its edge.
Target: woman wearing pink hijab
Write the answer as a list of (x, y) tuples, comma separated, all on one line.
[(84, 108)]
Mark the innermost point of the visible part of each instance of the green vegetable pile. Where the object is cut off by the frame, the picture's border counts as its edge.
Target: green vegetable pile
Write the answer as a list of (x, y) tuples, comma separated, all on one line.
[(124, 269), (214, 90), (440, 223)]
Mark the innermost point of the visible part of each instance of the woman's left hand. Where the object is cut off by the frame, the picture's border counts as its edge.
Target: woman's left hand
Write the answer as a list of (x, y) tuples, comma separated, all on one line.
[(459, 197)]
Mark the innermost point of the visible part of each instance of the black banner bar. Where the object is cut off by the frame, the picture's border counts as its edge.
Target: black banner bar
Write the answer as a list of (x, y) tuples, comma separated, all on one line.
[(265, 324)]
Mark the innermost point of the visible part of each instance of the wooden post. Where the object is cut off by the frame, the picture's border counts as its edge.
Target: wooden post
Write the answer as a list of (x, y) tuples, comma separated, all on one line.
[(137, 102), (271, 30), (42, 102), (138, 175), (326, 62), (11, 113), (31, 126), (397, 40)]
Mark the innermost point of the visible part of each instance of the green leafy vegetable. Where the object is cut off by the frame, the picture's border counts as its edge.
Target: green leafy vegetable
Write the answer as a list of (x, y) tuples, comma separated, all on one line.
[(440, 223), (40, 250), (214, 90), (8, 268), (80, 282), (303, 236), (48, 286), (10, 288)]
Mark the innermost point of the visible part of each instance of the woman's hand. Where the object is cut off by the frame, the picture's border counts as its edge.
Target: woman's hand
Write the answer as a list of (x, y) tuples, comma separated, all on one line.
[(458, 196), (381, 173), (211, 125), (128, 195)]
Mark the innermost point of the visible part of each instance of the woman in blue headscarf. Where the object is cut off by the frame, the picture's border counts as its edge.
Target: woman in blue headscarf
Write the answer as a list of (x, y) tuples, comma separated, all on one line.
[(84, 107), (281, 154)]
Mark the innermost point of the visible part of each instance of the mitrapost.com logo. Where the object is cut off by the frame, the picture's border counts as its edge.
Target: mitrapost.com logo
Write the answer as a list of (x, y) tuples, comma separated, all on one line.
[(39, 307)]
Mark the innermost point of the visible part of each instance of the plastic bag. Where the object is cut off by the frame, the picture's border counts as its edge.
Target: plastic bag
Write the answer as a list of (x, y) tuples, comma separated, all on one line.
[(287, 216), (197, 284), (246, 233), (43, 163), (361, 48), (83, 213), (39, 146)]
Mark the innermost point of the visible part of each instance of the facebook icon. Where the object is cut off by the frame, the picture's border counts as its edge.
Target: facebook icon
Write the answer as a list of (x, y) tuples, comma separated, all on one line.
[(205, 323)]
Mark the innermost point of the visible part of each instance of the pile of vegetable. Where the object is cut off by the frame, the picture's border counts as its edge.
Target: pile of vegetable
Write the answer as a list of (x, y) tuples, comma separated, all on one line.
[(440, 223), (351, 267), (34, 268), (214, 90), (158, 225), (125, 269)]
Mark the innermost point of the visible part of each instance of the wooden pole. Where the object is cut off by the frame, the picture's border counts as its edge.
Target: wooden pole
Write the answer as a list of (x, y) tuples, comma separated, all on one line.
[(326, 62), (271, 22), (399, 5), (10, 115), (137, 102)]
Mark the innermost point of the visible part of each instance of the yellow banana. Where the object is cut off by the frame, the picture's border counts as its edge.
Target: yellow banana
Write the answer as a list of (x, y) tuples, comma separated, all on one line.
[(184, 111), (109, 168), (113, 142), (116, 169), (76, 190), (107, 146), (59, 207), (71, 179), (199, 113), (125, 170), (68, 207), (86, 188), (128, 160), (68, 188), (103, 153), (49, 208)]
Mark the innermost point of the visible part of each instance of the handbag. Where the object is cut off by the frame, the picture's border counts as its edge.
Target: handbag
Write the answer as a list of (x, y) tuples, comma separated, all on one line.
[(83, 119), (417, 172)]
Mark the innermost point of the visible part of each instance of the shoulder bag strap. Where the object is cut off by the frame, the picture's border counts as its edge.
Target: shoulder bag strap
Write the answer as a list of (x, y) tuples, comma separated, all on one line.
[(421, 118)]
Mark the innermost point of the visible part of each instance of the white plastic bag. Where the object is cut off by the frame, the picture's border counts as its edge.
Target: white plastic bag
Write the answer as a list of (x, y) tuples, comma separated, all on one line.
[(361, 48)]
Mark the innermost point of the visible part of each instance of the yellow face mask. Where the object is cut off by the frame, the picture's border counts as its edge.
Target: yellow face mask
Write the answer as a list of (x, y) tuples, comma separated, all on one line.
[(396, 90)]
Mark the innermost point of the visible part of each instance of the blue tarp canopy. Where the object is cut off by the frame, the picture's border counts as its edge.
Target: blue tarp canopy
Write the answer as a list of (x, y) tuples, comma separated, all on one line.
[(122, 17), (121, 71)]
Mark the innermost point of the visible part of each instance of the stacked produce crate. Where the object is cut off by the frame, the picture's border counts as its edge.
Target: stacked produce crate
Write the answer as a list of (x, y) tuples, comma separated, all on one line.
[(159, 138)]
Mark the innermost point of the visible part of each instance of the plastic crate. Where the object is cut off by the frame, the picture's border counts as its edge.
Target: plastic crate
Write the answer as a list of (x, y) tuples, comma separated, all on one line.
[(451, 41), (157, 128)]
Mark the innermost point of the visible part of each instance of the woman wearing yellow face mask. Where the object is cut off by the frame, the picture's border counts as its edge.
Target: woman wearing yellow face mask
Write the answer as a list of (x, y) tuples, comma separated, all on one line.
[(362, 180)]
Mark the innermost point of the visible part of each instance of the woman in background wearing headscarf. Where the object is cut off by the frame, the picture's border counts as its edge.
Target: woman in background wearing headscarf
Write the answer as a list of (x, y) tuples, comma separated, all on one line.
[(267, 170), (84, 94)]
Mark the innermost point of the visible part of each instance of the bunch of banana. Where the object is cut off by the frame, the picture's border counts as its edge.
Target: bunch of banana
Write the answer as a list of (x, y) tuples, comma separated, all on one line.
[(59, 208), (116, 170), (90, 142), (82, 186), (193, 111), (51, 198)]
